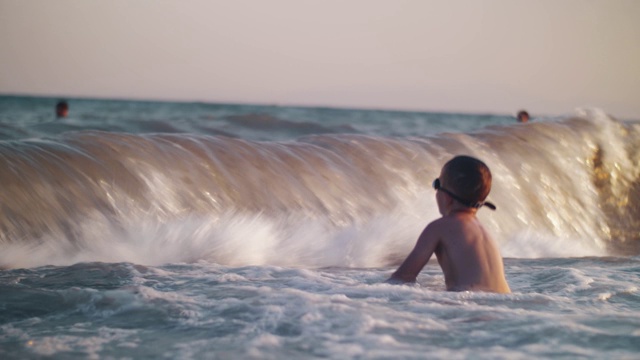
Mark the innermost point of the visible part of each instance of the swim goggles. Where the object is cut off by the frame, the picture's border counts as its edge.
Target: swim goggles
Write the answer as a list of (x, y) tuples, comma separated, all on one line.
[(436, 186)]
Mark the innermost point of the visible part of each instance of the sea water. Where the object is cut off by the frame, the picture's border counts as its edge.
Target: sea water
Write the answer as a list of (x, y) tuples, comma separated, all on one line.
[(137, 229)]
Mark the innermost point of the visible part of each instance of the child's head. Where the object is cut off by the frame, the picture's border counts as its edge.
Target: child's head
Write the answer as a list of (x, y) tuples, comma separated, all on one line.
[(467, 177)]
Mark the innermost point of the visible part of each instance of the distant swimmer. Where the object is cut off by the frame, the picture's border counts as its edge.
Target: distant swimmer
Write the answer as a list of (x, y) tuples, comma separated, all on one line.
[(523, 116), (62, 109), (468, 256)]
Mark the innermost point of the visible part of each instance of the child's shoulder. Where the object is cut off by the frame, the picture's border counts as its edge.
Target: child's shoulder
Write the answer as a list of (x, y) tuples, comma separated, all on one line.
[(442, 223)]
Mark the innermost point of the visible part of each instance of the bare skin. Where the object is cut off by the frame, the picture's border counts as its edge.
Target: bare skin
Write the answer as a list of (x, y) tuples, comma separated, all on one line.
[(468, 256)]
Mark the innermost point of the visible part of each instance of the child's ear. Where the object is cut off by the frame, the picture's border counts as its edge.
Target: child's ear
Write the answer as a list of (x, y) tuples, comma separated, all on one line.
[(448, 200)]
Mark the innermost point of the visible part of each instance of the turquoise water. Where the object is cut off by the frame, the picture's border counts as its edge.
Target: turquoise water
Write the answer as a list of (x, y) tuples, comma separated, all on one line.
[(191, 231), (23, 117), (560, 308)]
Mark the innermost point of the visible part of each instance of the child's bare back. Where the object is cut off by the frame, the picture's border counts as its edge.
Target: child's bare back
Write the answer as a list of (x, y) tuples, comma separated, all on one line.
[(468, 256)]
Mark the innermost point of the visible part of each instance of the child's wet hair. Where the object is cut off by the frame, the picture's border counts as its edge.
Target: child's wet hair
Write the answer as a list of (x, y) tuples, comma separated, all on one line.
[(467, 177)]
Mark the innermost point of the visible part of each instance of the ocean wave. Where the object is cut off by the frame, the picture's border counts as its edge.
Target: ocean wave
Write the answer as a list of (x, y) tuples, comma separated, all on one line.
[(321, 200)]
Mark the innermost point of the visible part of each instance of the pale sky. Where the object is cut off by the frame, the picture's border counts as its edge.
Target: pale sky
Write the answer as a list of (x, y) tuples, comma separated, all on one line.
[(495, 56)]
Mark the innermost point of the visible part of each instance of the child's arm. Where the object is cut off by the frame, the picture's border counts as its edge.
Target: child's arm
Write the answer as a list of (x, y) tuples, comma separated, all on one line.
[(419, 256)]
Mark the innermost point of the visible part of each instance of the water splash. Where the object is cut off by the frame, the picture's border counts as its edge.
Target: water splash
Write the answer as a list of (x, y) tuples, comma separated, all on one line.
[(567, 187)]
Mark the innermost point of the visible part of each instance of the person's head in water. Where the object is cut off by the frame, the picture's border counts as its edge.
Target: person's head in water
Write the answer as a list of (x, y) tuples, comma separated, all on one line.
[(467, 180), (62, 109), (523, 116)]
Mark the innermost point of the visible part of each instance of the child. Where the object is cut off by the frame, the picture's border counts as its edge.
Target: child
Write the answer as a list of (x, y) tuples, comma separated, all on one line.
[(468, 256)]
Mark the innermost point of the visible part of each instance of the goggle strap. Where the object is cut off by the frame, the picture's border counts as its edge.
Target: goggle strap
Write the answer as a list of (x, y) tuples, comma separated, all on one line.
[(436, 185)]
